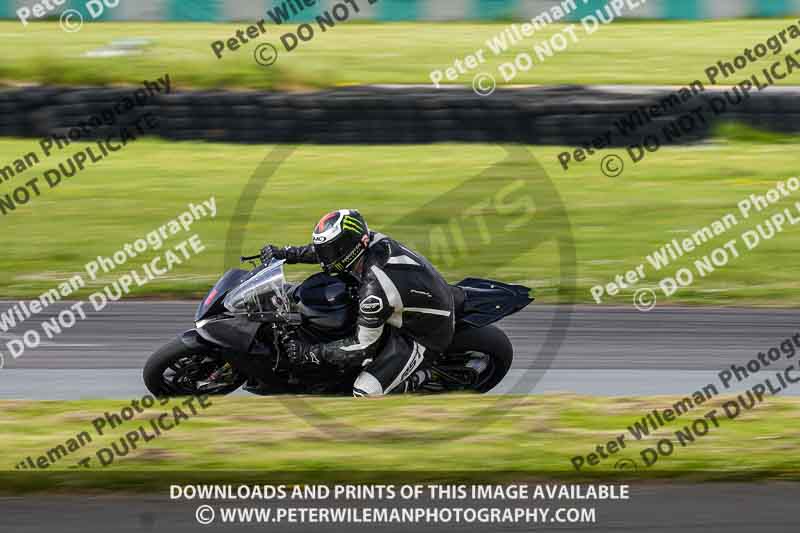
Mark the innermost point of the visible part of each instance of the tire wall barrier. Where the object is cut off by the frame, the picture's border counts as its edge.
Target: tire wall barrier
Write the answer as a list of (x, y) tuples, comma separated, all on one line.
[(570, 115)]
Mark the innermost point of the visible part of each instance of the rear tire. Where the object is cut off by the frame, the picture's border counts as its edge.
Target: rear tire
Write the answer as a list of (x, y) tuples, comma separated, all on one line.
[(489, 340), (187, 360)]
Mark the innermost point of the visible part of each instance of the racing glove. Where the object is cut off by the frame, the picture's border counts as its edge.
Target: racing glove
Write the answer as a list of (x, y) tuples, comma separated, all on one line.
[(300, 353), (270, 252), (292, 254)]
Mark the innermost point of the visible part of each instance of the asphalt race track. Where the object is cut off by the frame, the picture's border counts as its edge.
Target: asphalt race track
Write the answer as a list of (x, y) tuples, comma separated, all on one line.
[(605, 351), (611, 351)]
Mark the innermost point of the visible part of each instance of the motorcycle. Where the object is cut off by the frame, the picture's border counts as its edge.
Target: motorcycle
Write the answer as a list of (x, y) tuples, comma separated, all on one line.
[(244, 321)]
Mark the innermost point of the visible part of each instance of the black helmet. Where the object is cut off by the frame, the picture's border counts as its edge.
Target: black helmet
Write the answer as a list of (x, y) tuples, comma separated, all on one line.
[(339, 240)]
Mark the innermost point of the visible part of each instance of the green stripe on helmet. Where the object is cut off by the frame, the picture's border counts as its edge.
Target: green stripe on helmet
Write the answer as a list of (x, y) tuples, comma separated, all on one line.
[(352, 224)]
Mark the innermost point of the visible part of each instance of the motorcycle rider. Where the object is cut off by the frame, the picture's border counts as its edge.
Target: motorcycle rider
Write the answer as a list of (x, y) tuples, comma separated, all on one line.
[(406, 308)]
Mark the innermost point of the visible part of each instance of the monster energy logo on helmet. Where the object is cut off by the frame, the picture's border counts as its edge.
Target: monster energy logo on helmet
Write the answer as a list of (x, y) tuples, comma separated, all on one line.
[(353, 224)]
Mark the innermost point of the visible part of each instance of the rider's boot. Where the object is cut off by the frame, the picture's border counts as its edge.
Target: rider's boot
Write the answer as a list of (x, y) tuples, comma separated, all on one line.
[(415, 381)]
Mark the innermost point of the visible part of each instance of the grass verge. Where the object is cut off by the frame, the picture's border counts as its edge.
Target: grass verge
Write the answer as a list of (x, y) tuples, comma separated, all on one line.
[(616, 222), (659, 52), (528, 437)]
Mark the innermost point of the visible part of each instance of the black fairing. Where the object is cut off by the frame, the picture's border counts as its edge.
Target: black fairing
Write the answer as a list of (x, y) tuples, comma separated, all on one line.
[(235, 332), (326, 305), (212, 303), (486, 301)]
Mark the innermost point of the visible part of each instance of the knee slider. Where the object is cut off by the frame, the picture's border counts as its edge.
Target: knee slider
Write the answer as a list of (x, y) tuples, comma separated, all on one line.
[(367, 385)]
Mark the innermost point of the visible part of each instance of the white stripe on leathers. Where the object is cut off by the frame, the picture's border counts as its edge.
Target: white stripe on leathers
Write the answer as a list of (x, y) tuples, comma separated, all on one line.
[(393, 295)]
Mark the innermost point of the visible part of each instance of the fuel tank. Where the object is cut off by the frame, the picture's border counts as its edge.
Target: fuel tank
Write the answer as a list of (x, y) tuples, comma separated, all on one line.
[(326, 304)]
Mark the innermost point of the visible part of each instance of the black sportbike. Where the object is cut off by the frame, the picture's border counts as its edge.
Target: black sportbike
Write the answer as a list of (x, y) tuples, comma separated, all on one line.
[(243, 323)]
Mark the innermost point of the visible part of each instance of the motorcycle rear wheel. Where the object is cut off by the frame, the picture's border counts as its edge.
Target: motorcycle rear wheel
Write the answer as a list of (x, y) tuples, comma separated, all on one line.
[(490, 341)]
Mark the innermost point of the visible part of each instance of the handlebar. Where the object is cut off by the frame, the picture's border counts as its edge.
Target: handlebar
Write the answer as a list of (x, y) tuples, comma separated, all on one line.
[(244, 258)]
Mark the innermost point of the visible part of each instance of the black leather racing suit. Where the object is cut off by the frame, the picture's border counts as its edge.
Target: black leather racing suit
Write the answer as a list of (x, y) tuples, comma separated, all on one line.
[(405, 309)]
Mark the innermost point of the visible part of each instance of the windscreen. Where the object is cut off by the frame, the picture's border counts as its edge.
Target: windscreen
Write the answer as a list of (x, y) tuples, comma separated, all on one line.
[(265, 291)]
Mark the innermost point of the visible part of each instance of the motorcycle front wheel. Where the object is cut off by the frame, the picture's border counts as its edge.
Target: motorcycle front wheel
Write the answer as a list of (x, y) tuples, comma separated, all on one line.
[(177, 370)]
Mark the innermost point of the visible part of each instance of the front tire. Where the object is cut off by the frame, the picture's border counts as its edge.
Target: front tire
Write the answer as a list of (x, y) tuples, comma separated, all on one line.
[(489, 340), (178, 370)]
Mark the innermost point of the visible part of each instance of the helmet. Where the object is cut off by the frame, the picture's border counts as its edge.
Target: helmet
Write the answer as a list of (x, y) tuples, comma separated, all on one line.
[(338, 240)]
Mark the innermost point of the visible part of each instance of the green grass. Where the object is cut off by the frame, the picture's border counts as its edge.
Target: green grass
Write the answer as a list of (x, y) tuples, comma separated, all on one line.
[(615, 222), (535, 437), (673, 53)]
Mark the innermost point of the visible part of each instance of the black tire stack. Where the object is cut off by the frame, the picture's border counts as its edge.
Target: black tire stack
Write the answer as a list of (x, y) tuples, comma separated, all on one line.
[(568, 115)]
